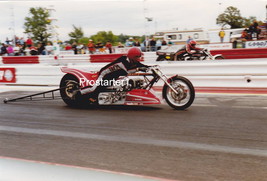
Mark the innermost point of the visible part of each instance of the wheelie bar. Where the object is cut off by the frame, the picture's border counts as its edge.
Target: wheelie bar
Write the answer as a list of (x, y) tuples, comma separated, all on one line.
[(30, 97)]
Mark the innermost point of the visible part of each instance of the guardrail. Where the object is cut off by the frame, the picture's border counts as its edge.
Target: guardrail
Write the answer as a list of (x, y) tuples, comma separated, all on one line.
[(64, 59), (242, 53), (249, 74), (101, 58)]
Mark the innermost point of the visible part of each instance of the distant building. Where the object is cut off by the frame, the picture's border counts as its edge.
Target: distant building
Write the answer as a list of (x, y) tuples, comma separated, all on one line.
[(199, 35)]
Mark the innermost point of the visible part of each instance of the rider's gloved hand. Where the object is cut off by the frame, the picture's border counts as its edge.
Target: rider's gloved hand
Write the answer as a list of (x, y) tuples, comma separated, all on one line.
[(154, 66), (142, 69)]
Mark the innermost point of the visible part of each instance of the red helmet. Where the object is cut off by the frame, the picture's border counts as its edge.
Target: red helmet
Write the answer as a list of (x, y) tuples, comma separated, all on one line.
[(192, 43), (134, 53)]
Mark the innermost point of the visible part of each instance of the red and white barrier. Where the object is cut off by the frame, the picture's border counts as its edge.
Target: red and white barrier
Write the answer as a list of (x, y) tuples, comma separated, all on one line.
[(250, 74), (242, 53), (149, 57), (20, 60)]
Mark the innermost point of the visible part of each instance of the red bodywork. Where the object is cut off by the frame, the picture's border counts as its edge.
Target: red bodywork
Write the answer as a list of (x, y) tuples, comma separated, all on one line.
[(133, 97)]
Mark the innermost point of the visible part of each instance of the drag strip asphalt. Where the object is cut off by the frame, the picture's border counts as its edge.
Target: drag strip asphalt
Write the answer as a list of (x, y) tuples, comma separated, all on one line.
[(220, 137)]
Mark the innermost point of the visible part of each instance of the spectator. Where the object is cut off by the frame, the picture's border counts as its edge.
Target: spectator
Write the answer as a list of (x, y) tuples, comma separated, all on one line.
[(146, 44), (41, 49), (29, 42), (27, 51), (251, 31), (258, 32), (256, 29), (234, 43), (80, 48), (100, 47), (189, 39), (120, 45), (163, 43), (136, 43), (21, 50), (3, 51), (74, 48), (152, 45), (130, 42), (158, 44), (10, 50), (221, 35), (17, 40), (33, 50), (109, 46), (8, 41), (68, 47), (245, 34), (255, 25), (17, 50), (91, 47), (21, 41), (49, 49), (170, 43)]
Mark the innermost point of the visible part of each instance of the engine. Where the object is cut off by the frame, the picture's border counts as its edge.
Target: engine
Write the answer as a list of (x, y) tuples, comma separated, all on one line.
[(136, 83), (107, 98), (116, 94)]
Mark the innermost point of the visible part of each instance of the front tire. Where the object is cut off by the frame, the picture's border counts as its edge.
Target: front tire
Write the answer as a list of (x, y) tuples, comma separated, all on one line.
[(160, 58), (185, 96), (219, 58)]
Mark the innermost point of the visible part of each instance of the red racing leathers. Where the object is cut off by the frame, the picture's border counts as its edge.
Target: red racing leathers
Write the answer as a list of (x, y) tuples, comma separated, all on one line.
[(120, 67)]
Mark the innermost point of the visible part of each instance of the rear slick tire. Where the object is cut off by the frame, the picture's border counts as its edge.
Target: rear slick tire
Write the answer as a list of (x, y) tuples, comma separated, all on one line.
[(68, 84), (185, 96)]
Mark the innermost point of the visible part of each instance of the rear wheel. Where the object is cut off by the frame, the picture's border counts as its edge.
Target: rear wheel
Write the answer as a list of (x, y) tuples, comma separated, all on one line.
[(70, 93), (185, 93)]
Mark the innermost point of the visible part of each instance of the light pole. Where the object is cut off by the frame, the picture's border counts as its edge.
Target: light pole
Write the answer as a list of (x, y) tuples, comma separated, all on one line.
[(52, 26), (13, 25)]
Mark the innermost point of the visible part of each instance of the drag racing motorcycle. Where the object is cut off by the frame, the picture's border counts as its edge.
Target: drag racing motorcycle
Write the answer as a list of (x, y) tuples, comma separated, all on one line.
[(134, 89), (198, 55)]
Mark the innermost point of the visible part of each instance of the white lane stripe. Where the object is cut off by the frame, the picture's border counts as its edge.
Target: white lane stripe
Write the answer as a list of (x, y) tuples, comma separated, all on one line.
[(26, 170), (138, 140), (236, 107)]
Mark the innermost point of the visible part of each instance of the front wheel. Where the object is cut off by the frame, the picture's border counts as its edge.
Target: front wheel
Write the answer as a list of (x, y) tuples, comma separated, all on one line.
[(185, 93), (219, 58), (160, 58)]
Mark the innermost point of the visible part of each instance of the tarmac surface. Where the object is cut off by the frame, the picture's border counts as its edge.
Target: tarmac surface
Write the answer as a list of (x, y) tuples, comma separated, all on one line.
[(220, 137)]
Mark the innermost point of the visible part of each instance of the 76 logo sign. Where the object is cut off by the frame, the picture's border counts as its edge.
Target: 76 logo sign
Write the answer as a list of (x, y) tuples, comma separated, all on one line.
[(7, 75)]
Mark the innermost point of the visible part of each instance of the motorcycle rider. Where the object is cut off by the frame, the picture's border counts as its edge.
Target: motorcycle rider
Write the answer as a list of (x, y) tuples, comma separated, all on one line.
[(120, 67), (187, 49)]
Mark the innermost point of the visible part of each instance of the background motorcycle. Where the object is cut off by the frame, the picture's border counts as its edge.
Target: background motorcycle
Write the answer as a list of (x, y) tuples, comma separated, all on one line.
[(178, 91), (199, 55), (203, 55)]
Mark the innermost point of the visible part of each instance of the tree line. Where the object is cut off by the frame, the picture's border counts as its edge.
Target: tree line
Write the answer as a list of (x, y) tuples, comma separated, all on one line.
[(38, 27), (77, 35)]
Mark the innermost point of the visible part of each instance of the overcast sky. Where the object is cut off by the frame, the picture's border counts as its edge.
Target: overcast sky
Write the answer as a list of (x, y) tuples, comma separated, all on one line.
[(125, 16)]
